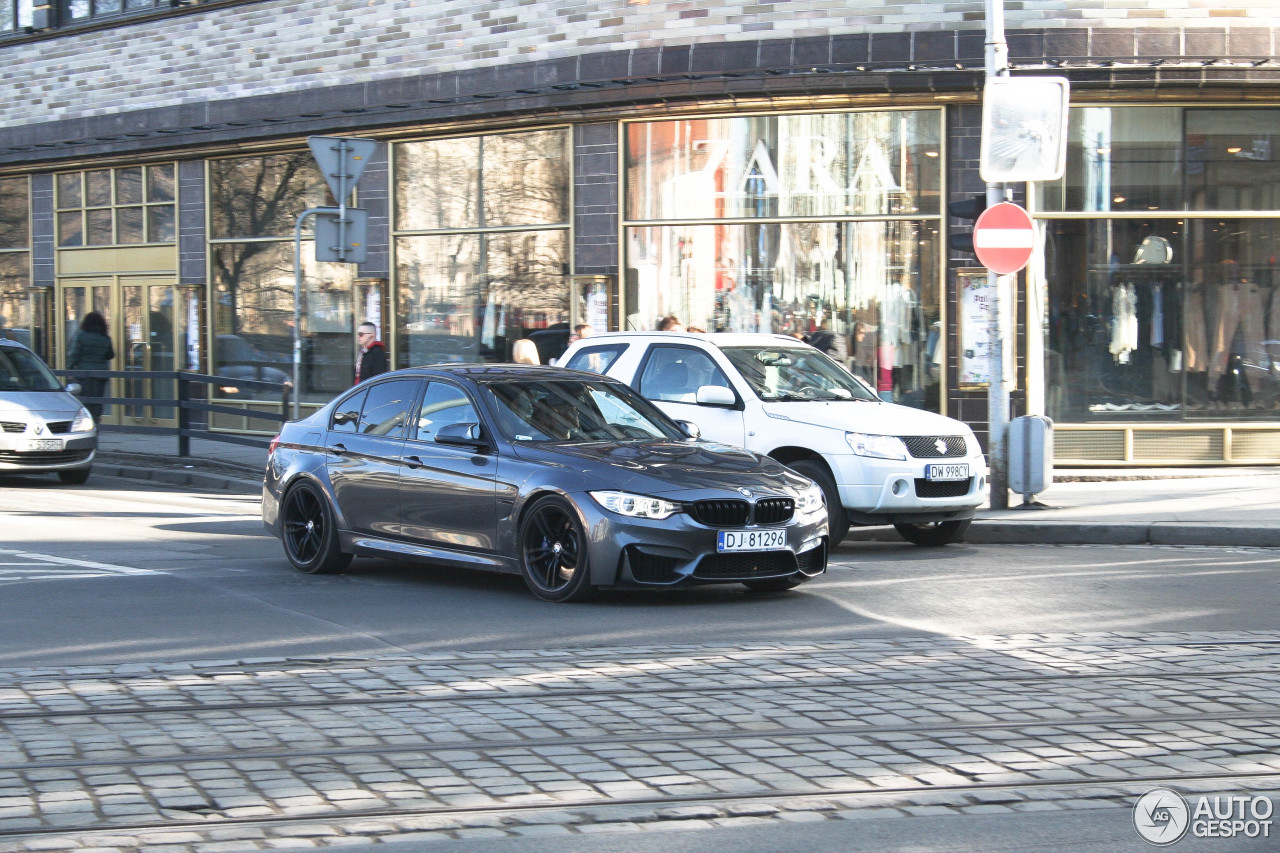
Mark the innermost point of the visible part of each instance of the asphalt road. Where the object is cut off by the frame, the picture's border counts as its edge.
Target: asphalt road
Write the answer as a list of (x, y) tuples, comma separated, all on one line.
[(138, 589)]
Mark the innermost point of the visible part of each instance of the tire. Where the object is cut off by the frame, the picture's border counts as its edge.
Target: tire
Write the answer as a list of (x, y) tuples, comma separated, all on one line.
[(837, 521), (933, 534), (309, 532), (772, 585), (75, 477), (553, 551)]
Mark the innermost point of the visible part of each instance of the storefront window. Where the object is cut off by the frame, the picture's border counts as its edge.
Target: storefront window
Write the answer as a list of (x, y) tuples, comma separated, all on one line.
[(263, 196), (116, 207), (486, 275), (863, 281), (1138, 159), (253, 279), (1153, 315), (825, 164), (17, 313), (1163, 319)]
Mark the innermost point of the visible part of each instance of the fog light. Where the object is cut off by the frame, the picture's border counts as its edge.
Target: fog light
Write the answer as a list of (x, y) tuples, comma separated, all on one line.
[(899, 488), (982, 483)]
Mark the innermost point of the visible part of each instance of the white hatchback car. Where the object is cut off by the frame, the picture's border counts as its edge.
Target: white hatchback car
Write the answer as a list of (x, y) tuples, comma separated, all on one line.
[(878, 463), (43, 428)]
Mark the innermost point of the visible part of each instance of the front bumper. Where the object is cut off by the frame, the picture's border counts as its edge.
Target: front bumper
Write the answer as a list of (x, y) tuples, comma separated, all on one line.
[(677, 551), (77, 453), (892, 487)]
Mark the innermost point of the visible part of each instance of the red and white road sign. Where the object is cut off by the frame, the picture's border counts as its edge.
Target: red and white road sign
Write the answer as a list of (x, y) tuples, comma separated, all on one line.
[(1003, 238)]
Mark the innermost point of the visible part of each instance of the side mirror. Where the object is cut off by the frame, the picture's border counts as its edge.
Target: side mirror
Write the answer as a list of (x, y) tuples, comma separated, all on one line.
[(460, 433), (74, 388), (716, 395), (690, 429)]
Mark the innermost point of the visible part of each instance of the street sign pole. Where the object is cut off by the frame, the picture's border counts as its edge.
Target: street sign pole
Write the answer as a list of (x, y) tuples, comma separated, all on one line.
[(341, 161), (1001, 287)]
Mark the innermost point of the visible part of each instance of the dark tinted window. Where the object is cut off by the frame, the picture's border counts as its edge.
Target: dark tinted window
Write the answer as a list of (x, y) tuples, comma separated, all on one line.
[(596, 359), (387, 408), (346, 416), (443, 404)]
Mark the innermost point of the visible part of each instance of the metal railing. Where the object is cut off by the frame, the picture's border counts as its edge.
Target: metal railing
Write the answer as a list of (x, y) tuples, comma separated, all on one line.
[(190, 405)]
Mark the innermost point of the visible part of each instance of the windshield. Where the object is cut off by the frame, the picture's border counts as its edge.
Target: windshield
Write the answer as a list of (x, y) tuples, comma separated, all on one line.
[(576, 410), (783, 373), (22, 370)]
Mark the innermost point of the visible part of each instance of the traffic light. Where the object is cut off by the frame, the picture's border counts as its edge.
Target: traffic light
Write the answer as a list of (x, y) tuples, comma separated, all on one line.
[(968, 208)]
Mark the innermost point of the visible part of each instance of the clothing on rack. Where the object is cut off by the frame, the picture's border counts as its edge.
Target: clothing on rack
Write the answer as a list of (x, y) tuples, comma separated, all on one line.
[(1124, 322), (1239, 309)]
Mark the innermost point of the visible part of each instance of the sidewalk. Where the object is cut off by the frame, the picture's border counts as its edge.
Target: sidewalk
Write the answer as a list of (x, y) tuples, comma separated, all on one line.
[(1125, 506)]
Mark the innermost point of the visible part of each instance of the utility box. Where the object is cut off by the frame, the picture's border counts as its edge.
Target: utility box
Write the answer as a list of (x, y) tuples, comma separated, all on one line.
[(1030, 456)]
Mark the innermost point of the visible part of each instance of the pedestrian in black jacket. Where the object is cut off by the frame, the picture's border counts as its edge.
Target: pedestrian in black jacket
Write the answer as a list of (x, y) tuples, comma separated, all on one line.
[(372, 359), (91, 349)]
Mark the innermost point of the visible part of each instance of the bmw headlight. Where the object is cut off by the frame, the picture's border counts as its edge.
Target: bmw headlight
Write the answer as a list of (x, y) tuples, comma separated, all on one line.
[(83, 421), (877, 446), (636, 506), (811, 500)]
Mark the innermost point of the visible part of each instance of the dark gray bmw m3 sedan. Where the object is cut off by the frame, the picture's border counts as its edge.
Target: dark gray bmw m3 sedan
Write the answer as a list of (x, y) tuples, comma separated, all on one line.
[(567, 478)]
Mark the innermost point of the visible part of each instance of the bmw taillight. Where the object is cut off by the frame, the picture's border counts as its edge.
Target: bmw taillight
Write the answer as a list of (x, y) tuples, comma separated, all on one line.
[(275, 442)]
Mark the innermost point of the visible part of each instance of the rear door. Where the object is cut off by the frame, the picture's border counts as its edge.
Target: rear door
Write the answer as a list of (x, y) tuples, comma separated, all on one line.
[(364, 445), (670, 375), (448, 492)]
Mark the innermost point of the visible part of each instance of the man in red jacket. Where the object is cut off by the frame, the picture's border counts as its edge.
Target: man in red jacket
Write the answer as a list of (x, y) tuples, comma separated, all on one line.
[(372, 359)]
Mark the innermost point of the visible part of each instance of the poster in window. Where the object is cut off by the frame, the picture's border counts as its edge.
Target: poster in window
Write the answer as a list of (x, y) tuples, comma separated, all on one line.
[(973, 329)]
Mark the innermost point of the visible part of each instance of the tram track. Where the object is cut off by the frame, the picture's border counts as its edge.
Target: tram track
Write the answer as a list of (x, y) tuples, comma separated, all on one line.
[(410, 697), (808, 801)]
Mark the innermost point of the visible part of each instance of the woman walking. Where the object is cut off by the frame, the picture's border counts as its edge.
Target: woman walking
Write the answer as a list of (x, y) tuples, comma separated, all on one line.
[(91, 349)]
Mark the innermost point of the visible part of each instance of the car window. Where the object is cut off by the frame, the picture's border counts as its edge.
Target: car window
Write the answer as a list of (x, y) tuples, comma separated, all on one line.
[(386, 409), (22, 370), (442, 404), (596, 359), (573, 410), (674, 374), (346, 415), (792, 374)]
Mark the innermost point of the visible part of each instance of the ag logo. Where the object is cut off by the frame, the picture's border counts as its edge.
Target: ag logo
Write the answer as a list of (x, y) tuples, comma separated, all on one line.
[(1161, 816)]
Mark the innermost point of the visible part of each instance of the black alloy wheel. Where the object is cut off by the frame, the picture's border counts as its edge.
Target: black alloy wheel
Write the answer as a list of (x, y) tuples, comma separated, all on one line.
[(837, 520), (310, 535), (553, 555), (933, 534)]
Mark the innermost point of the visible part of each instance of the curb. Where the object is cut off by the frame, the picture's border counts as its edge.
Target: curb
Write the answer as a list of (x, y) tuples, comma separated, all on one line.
[(1098, 533), (235, 479)]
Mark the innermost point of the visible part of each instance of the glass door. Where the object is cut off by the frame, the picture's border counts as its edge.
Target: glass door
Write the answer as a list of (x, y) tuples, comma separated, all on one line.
[(153, 330), (78, 298)]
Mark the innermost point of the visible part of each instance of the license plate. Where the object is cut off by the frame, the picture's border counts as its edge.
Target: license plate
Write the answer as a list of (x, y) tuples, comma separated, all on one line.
[(751, 540), (946, 472), (36, 444)]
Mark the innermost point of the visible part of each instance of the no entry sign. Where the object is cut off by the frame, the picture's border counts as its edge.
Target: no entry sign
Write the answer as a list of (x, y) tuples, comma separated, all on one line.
[(1003, 238)]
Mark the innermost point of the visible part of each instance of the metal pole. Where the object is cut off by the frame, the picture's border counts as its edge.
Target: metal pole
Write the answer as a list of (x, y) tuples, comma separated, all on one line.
[(297, 302), (997, 64)]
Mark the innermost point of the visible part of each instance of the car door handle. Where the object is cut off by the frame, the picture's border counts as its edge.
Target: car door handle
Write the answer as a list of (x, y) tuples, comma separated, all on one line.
[(412, 462), (338, 449)]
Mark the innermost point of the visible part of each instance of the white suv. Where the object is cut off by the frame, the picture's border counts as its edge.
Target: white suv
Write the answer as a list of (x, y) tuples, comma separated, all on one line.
[(878, 463)]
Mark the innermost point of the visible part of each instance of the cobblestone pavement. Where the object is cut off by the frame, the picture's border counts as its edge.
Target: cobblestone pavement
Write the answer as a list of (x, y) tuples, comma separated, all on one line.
[(270, 754)]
